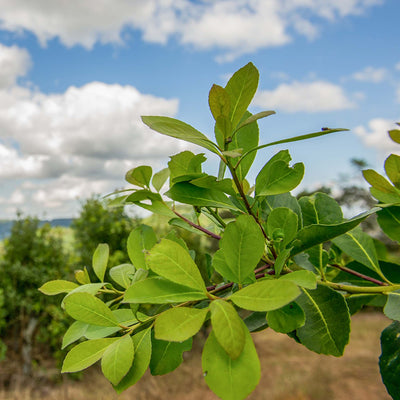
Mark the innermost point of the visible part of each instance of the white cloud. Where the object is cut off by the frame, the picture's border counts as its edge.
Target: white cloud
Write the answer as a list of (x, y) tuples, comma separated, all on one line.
[(75, 143), (309, 97), (14, 62), (376, 136), (235, 26), (371, 74)]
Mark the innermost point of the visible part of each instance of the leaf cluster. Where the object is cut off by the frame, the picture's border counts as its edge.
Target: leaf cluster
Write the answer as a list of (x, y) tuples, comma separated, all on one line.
[(294, 265)]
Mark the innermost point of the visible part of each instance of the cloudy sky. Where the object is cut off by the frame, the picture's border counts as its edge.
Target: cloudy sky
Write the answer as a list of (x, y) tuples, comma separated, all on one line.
[(75, 77)]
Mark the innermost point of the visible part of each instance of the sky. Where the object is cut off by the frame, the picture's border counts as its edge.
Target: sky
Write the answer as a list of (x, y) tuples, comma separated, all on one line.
[(75, 77)]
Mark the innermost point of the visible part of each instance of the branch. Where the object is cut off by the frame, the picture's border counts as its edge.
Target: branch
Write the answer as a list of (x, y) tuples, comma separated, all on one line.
[(200, 228), (360, 275)]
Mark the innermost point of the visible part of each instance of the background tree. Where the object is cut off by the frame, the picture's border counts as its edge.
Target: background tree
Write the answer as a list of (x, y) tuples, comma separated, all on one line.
[(32, 255), (100, 224)]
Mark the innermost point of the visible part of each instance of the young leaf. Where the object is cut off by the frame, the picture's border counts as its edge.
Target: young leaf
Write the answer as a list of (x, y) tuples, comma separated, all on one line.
[(230, 379), (142, 350), (167, 356), (85, 354), (389, 361), (287, 318), (117, 359), (123, 274), (52, 288), (89, 309), (100, 260), (179, 130), (187, 193), (285, 220), (281, 261), (140, 240), (159, 291), (185, 163), (159, 179), (392, 307), (241, 249), (241, 89), (140, 176), (389, 221), (219, 102), (74, 333), (227, 327), (266, 295), (179, 324), (327, 326), (245, 139), (278, 177), (169, 260)]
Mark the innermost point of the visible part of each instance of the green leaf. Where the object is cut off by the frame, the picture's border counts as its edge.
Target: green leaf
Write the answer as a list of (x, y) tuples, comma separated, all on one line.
[(384, 197), (167, 356), (91, 288), (287, 318), (246, 138), (171, 261), (389, 361), (179, 324), (285, 220), (392, 307), (389, 221), (327, 326), (123, 274), (179, 130), (320, 209), (312, 235), (305, 279), (281, 200), (392, 168), (227, 327), (58, 286), (256, 321), (254, 118), (222, 130), (74, 333), (211, 182), (230, 379), (359, 246), (241, 248), (187, 193), (266, 295), (277, 177), (160, 291), (219, 102), (378, 181), (160, 178), (140, 240), (185, 163), (395, 135), (85, 354), (117, 359), (142, 346), (281, 261), (241, 89), (140, 176), (100, 260), (124, 316), (88, 308)]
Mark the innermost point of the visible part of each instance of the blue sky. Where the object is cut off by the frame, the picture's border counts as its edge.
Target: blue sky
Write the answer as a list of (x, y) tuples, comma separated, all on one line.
[(76, 76)]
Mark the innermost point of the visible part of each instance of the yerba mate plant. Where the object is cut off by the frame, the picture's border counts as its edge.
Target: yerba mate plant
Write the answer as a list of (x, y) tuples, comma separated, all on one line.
[(296, 266)]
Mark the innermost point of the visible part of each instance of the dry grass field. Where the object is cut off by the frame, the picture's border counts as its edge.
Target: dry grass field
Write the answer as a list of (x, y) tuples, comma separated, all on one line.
[(289, 372)]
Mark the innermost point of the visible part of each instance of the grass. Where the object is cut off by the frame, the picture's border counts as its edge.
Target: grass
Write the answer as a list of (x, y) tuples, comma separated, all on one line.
[(289, 372)]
